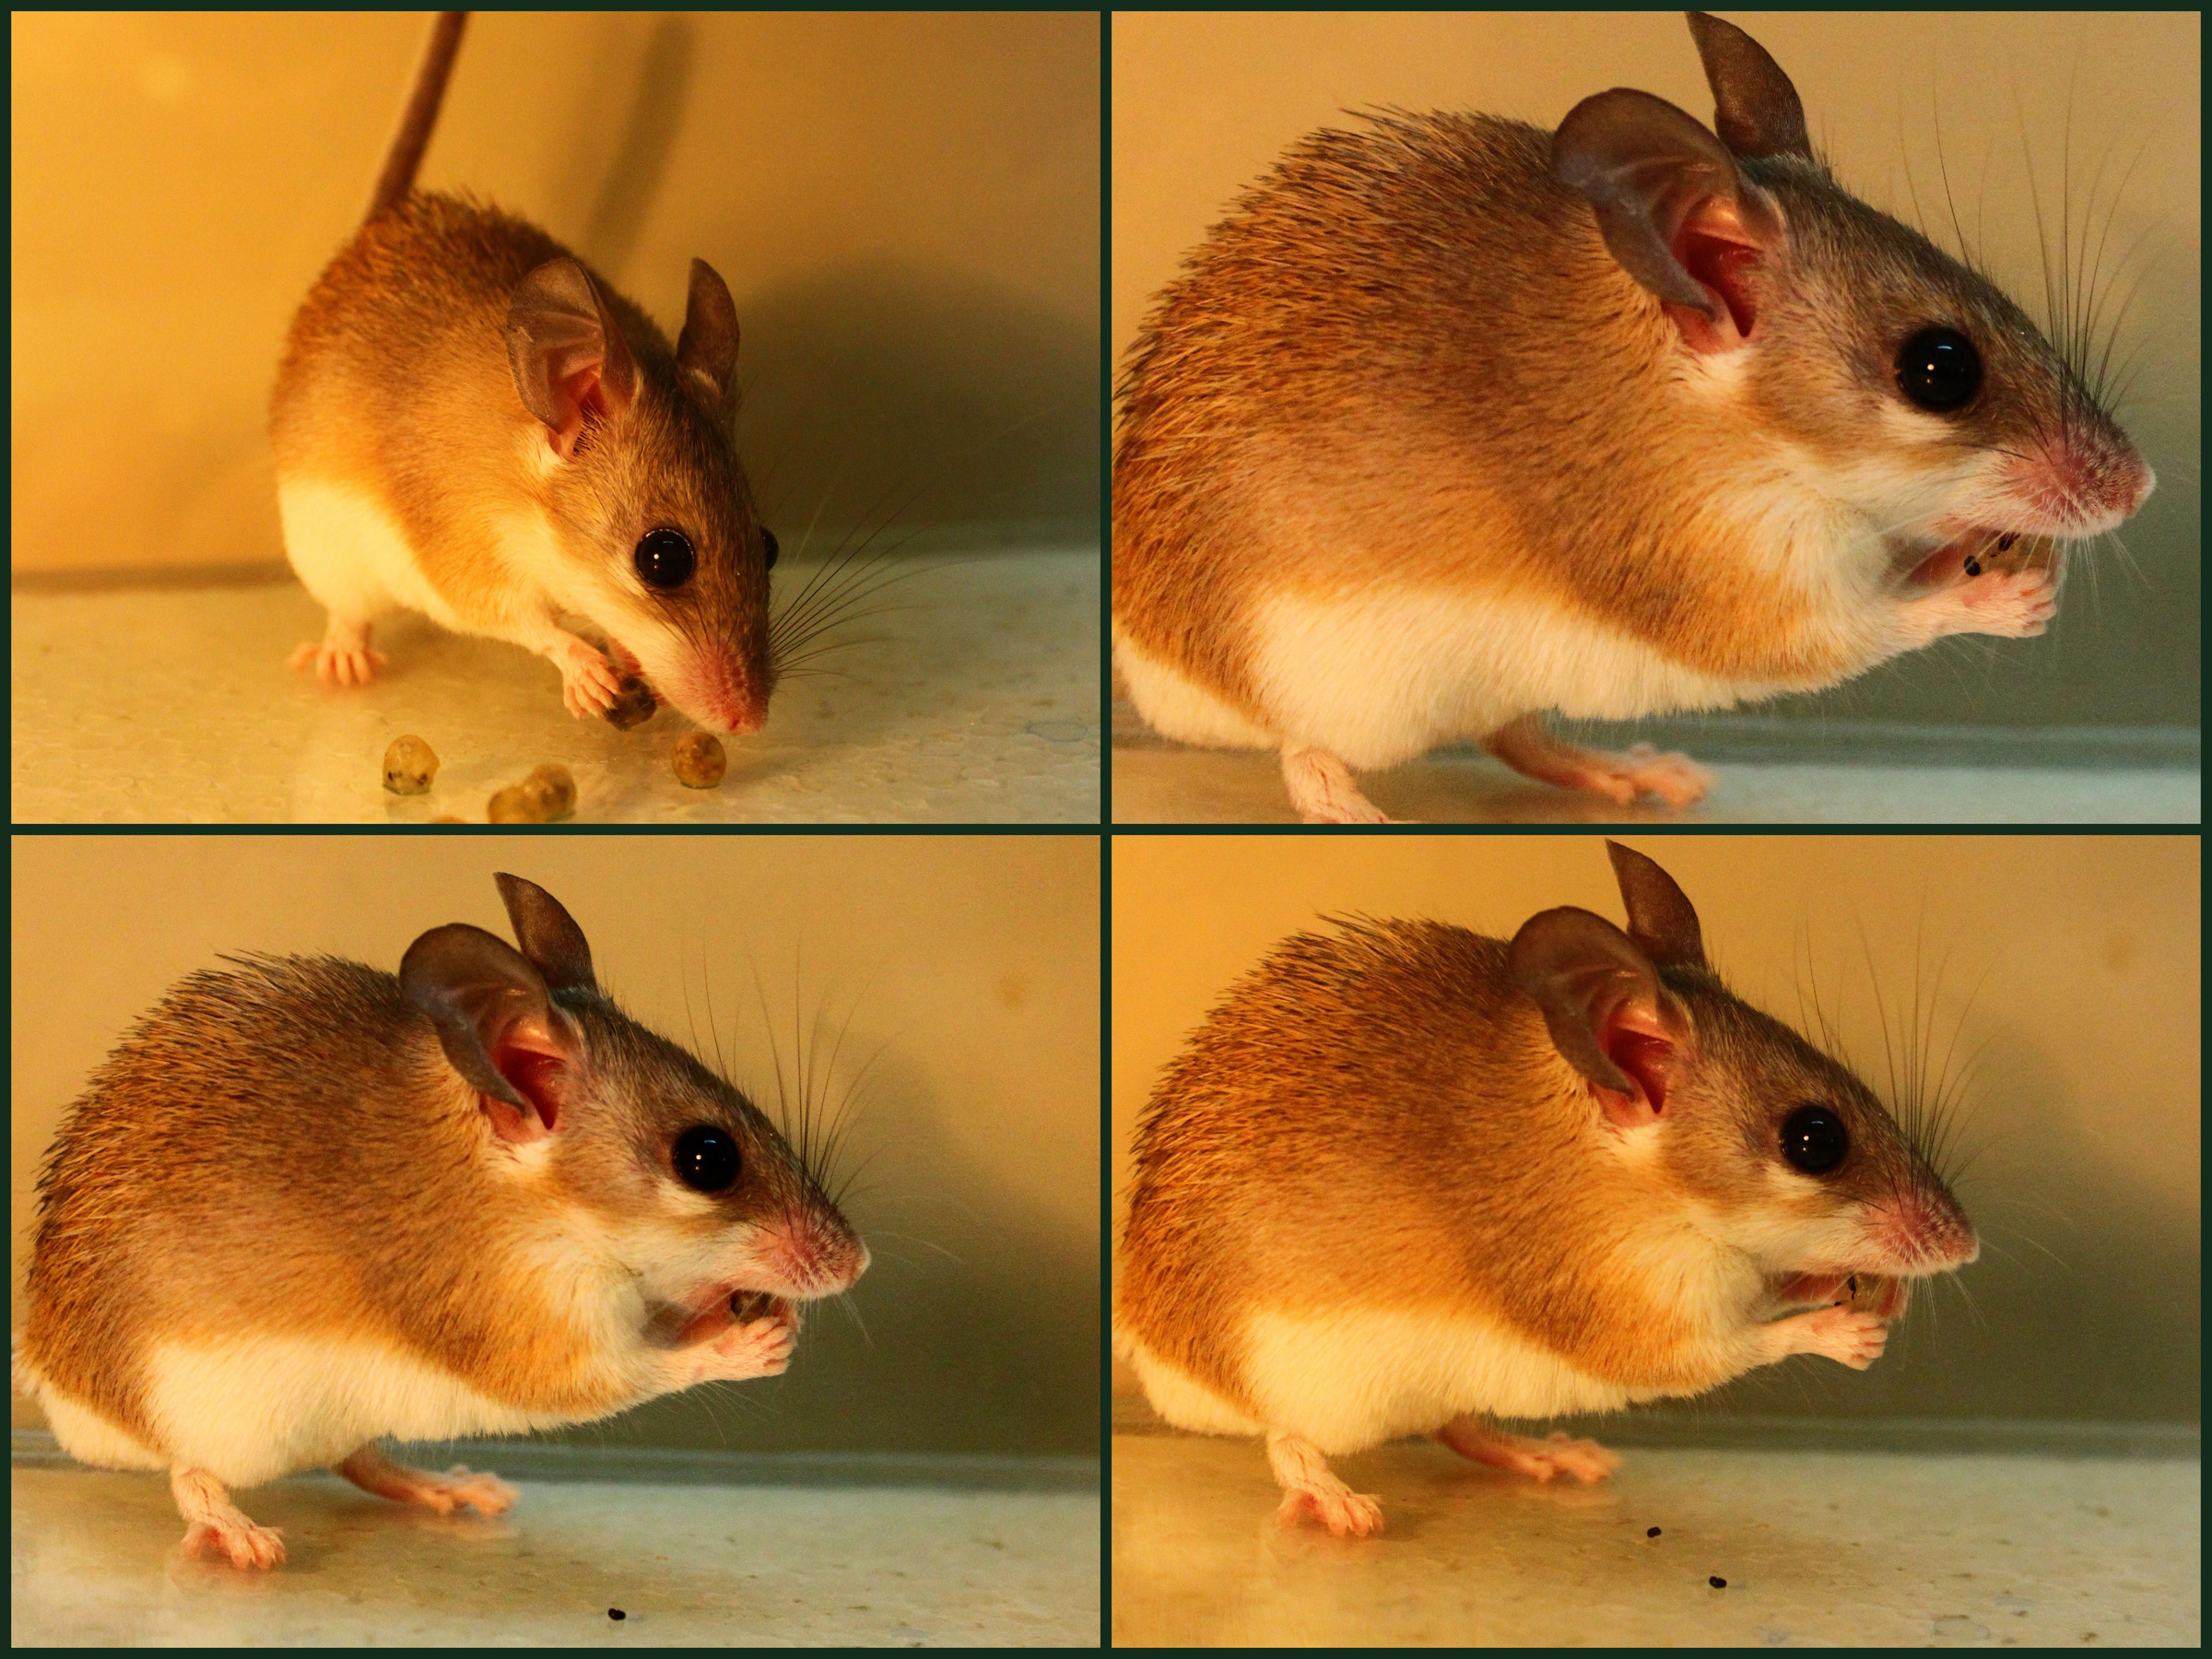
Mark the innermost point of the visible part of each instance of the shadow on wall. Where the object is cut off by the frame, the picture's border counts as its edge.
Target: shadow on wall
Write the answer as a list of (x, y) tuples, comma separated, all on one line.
[(981, 1314), (881, 390), (878, 395)]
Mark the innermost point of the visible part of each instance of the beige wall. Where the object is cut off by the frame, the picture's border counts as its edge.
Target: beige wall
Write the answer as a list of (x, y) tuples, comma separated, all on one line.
[(2070, 980), (1204, 101), (905, 206), (972, 962)]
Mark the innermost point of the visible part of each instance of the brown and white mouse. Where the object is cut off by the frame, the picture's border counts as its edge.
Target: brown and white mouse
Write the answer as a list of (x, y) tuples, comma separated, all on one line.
[(307, 1204), (1453, 421), (471, 423), (1405, 1179)]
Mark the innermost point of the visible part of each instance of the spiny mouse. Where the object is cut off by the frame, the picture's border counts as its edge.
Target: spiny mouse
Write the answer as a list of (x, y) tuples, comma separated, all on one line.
[(307, 1204), (1453, 421)]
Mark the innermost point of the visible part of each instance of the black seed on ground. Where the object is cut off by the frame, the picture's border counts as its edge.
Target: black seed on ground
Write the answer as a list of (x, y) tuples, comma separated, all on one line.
[(1651, 1532), (617, 1613), (1718, 1583)]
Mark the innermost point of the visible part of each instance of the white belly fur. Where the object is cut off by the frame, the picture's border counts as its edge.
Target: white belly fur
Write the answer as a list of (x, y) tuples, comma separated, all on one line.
[(1347, 1379), (1176, 706), (1180, 1398), (1381, 677), (352, 554), (262, 1407)]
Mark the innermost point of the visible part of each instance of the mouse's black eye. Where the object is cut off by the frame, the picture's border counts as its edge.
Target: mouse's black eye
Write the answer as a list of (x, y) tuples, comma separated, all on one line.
[(1814, 1139), (706, 1159), (768, 540), (1939, 370), (666, 559)]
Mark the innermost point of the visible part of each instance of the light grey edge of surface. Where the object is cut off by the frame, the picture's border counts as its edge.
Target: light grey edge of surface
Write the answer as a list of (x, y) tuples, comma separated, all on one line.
[(660, 1466), (1767, 739), (1991, 1437)]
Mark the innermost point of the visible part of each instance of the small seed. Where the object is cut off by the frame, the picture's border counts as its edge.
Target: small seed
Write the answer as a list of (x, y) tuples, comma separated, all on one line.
[(1651, 1532), (700, 761), (617, 1613), (1718, 1583), (516, 805), (409, 765), (554, 789), (634, 705)]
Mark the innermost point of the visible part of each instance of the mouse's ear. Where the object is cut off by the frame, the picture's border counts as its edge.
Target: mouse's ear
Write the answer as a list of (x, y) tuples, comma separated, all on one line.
[(1673, 209), (1755, 111), (570, 362), (498, 1027), (549, 935), (1608, 1016), (706, 352), (1661, 920)]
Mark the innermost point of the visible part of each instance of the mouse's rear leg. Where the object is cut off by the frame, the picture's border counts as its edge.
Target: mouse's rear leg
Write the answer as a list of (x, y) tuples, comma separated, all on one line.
[(1309, 1490), (344, 657), (211, 1518), (373, 1472), (342, 545), (1474, 1439), (1527, 746), (1322, 789)]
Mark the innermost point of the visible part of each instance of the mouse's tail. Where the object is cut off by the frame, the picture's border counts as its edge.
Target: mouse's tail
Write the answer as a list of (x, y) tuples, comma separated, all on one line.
[(405, 157)]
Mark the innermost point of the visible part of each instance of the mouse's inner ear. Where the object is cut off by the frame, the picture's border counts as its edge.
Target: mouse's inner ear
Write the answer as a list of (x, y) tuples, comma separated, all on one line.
[(706, 352), (498, 1026), (1756, 112), (1608, 1016), (1673, 209), (571, 365), (549, 935), (1661, 919)]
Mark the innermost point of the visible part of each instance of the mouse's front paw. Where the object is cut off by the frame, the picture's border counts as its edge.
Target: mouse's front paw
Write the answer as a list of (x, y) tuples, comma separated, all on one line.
[(760, 1348), (589, 684), (1843, 1334), (1345, 1513), (2015, 605), (241, 1543)]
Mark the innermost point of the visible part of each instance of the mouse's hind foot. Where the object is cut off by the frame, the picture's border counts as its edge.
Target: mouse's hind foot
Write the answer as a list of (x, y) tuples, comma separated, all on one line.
[(213, 1521), (1322, 789), (1308, 1489), (1529, 749), (373, 1472), (344, 657), (1475, 1440)]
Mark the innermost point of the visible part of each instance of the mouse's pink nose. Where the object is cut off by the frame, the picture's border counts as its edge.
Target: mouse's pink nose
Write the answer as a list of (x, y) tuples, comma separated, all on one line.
[(721, 694)]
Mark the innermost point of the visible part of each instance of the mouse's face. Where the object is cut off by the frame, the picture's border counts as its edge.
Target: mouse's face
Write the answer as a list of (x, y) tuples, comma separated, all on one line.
[(668, 555), (1911, 390), (1793, 1158), (690, 1184)]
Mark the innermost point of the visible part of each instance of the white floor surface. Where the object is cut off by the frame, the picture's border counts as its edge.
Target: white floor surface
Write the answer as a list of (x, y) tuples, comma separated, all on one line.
[(1159, 782), (1815, 1548), (95, 1561), (978, 703)]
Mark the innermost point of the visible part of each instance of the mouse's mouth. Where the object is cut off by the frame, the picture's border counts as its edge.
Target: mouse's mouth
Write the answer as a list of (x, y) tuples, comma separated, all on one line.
[(1876, 1293), (1977, 550)]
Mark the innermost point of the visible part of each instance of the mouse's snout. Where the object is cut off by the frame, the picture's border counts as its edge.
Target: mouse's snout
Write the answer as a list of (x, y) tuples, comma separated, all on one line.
[(720, 688), (813, 1256)]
